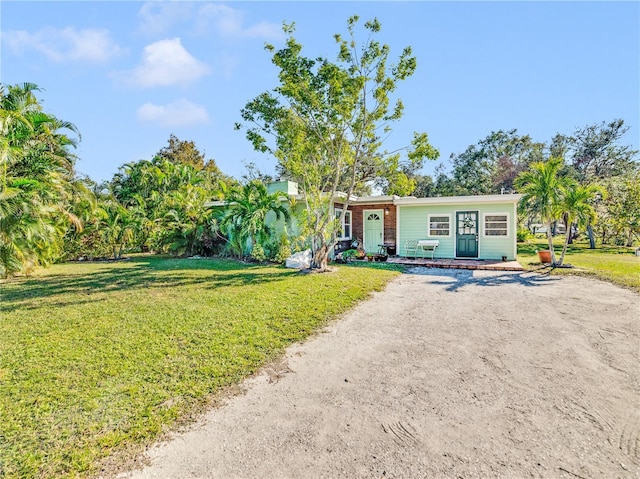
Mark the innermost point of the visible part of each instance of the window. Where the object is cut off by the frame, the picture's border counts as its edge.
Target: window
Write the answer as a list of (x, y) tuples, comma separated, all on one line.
[(439, 225), (496, 224), (345, 227)]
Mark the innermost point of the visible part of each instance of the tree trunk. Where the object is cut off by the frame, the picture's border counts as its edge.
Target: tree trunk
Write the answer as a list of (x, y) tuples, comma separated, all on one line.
[(568, 228), (630, 238), (567, 240), (320, 258), (550, 239), (592, 239)]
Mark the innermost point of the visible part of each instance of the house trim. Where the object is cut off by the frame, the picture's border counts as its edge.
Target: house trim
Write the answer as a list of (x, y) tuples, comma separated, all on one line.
[(429, 216), (500, 213)]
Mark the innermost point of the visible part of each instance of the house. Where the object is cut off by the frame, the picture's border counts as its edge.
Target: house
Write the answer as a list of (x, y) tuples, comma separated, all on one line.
[(470, 227), (481, 227)]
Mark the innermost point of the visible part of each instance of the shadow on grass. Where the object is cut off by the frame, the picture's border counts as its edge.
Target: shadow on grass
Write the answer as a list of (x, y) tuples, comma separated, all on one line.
[(148, 272), (461, 278)]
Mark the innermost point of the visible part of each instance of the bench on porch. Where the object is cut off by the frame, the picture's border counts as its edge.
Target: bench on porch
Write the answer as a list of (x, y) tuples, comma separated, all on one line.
[(421, 246)]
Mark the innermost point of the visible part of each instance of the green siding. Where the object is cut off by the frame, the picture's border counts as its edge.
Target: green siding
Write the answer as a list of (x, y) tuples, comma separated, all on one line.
[(413, 224)]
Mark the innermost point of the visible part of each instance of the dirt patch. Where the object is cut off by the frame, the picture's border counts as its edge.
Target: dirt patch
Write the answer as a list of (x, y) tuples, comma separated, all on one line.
[(444, 374)]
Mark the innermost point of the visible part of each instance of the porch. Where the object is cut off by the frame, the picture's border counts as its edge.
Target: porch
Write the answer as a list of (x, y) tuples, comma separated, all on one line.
[(486, 264)]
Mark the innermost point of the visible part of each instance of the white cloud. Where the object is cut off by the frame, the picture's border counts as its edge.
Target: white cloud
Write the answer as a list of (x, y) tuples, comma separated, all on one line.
[(158, 17), (178, 113), (65, 45), (166, 63), (229, 22)]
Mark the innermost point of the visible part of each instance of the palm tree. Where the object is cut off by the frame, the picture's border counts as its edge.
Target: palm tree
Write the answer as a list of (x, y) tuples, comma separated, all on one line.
[(541, 188), (188, 220), (116, 226), (245, 220), (576, 207), (36, 180)]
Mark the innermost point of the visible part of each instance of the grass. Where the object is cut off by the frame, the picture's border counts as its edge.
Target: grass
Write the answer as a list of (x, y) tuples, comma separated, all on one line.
[(99, 359), (618, 265)]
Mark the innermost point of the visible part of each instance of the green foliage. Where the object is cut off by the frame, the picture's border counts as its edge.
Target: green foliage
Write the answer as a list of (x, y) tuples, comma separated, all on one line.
[(280, 248), (523, 234), (576, 206), (595, 154), (245, 218), (99, 358), (541, 187), (547, 194), (619, 212), (257, 253), (324, 120), (350, 254), (494, 162), (166, 197), (36, 181)]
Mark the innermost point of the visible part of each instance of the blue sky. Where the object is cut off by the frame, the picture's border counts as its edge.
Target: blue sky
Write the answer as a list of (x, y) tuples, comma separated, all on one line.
[(129, 74)]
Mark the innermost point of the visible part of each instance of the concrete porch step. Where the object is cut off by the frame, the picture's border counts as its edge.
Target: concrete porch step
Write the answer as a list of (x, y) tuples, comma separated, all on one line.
[(492, 265)]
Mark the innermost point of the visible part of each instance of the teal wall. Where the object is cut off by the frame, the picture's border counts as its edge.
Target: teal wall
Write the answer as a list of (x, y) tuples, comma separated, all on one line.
[(413, 224), (293, 227)]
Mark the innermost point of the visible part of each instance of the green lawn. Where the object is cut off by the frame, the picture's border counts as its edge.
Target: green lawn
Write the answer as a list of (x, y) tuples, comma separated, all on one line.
[(97, 359), (616, 264)]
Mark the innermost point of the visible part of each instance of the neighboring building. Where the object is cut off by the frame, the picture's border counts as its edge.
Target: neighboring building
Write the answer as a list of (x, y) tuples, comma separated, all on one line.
[(482, 227)]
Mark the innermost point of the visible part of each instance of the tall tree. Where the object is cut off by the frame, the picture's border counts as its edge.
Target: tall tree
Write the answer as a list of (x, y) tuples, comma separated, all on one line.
[(36, 180), (187, 223), (492, 165), (182, 152), (576, 206), (245, 218), (595, 152), (152, 189), (541, 187), (325, 123), (621, 209)]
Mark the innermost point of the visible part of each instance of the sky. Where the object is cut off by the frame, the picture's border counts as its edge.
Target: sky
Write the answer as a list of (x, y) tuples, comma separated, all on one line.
[(130, 74)]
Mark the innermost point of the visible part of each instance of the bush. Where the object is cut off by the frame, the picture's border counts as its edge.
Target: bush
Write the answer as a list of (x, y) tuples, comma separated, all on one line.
[(278, 249), (350, 254), (88, 244), (523, 235), (257, 253)]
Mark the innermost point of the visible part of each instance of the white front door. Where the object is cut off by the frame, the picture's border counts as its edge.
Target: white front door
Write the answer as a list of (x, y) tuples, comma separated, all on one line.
[(373, 230)]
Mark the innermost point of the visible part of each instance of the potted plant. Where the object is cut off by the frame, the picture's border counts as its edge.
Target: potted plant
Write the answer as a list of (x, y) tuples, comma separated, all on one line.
[(544, 255)]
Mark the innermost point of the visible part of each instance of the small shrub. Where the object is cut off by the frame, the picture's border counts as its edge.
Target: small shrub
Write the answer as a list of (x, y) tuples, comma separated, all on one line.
[(523, 235), (257, 253), (283, 253), (350, 254)]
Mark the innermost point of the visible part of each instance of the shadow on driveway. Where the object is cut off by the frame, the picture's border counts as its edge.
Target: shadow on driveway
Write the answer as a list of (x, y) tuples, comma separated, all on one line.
[(456, 279)]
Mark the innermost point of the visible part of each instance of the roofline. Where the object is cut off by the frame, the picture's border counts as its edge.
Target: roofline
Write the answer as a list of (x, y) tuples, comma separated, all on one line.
[(408, 200), (456, 200), (371, 200)]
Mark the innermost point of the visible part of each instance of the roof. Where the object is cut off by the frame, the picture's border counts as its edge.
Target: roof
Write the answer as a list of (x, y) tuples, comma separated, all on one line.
[(291, 190), (457, 200)]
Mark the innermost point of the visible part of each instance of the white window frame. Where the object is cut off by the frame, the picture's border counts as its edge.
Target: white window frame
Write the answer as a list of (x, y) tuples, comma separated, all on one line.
[(349, 213), (508, 224), (443, 215)]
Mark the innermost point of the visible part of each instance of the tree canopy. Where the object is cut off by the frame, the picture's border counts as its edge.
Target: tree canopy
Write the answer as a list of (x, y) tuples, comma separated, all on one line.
[(326, 123), (37, 180)]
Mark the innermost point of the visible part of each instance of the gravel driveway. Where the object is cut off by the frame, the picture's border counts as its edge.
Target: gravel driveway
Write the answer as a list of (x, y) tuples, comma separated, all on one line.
[(446, 373)]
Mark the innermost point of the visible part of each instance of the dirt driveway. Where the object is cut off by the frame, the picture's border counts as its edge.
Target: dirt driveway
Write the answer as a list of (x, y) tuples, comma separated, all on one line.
[(444, 374)]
